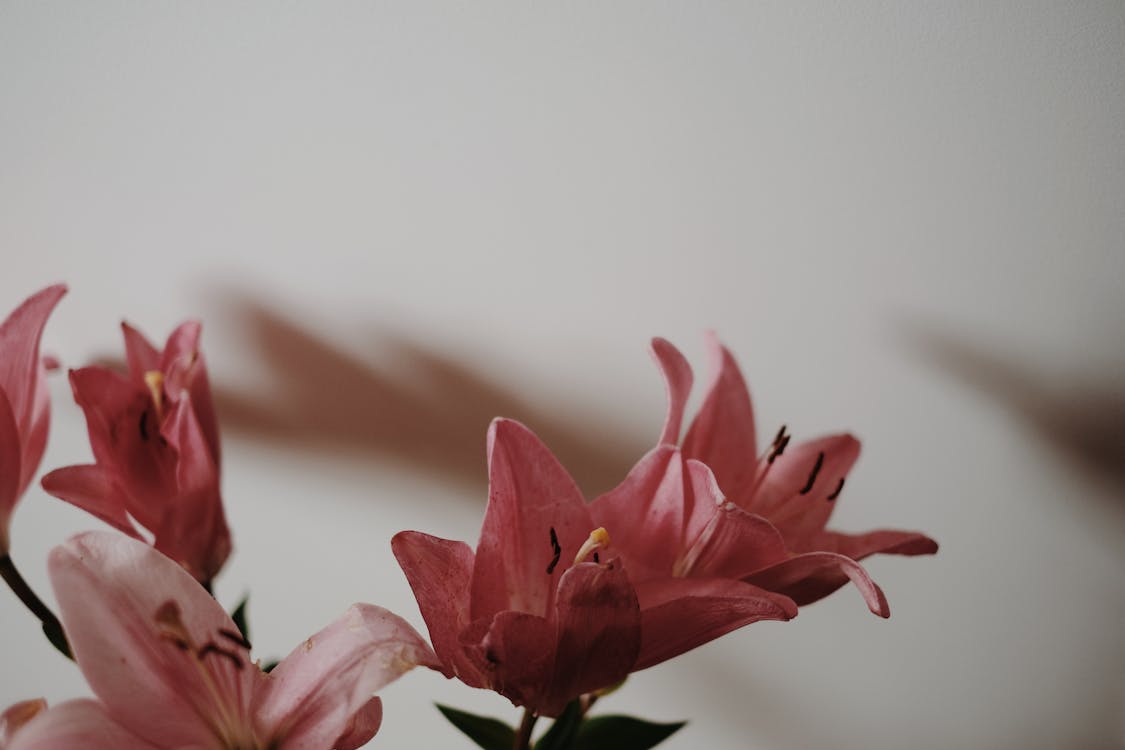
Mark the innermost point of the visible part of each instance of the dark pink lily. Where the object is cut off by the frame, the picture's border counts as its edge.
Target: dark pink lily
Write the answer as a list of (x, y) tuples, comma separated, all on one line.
[(25, 404), (544, 611), (716, 507), (171, 670), (156, 446)]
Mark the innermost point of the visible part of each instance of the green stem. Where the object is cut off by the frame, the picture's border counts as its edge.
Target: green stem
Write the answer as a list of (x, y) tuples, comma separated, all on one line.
[(51, 626), (523, 736)]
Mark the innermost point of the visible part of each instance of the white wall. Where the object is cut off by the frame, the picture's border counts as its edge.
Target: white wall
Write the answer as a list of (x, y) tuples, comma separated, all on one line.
[(907, 220)]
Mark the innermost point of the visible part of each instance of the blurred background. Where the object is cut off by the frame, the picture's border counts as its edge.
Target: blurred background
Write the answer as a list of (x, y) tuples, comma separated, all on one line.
[(398, 220)]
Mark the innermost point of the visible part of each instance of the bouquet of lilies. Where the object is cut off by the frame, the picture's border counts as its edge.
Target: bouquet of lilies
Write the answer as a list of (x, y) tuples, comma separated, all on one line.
[(559, 603)]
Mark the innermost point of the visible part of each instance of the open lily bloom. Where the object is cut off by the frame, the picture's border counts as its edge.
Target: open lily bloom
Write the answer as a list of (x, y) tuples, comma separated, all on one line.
[(715, 507), (171, 670), (156, 446), (544, 611), (25, 402)]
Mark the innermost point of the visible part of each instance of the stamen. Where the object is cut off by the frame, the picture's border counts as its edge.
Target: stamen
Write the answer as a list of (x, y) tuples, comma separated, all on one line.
[(144, 425), (557, 552), (236, 638), (154, 379), (213, 648), (815, 470), (780, 434), (599, 539), (836, 493), (778, 447)]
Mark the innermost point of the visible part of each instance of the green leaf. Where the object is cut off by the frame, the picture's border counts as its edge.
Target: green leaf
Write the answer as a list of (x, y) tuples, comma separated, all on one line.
[(623, 733), (562, 733), (486, 732), (239, 617)]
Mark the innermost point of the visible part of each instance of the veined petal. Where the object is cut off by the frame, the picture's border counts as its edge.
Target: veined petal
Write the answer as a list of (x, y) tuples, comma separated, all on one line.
[(598, 624), (35, 440), (185, 370), (881, 541), (516, 653), (799, 490), (440, 572), (314, 694), (141, 630), (645, 513), (20, 367), (94, 489), (140, 355), (529, 495), (77, 724), (679, 614), (733, 542), (677, 381), (9, 469), (722, 434), (812, 576), (362, 727)]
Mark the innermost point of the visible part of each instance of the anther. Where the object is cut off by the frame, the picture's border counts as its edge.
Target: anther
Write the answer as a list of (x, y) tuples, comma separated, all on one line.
[(778, 447), (236, 638), (213, 648), (556, 549), (836, 493), (780, 434), (598, 539), (154, 379), (144, 425), (812, 476)]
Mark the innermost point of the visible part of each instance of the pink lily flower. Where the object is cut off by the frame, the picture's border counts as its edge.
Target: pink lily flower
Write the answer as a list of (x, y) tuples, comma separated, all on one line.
[(715, 507), (171, 670), (25, 404), (16, 716), (544, 611), (156, 446)]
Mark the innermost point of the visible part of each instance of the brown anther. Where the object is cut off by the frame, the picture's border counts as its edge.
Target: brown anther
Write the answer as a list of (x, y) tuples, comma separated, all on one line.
[(236, 638), (812, 476), (213, 648), (778, 447), (780, 434), (836, 492), (557, 551), (144, 425)]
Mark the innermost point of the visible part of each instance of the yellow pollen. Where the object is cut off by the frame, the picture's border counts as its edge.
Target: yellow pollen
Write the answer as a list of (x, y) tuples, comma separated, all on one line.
[(598, 539), (154, 379)]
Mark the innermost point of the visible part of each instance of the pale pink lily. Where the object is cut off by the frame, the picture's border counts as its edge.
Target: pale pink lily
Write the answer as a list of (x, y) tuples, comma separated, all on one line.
[(16, 716), (544, 611), (24, 400), (156, 445), (171, 670), (715, 507)]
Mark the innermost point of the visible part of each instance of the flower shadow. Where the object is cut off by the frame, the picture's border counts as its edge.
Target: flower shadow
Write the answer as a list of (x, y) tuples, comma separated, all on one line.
[(424, 410)]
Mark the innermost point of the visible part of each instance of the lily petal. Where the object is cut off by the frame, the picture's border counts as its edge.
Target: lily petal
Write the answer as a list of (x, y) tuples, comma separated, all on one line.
[(529, 495), (653, 491), (814, 575), (796, 489), (733, 542), (722, 434), (20, 367), (679, 614), (516, 651), (363, 726), (881, 541), (677, 380), (77, 723), (9, 469), (110, 589), (440, 572), (184, 368), (315, 693), (598, 624), (140, 355), (95, 490)]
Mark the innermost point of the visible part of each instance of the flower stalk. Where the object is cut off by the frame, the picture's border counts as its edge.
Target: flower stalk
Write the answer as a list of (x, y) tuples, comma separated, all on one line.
[(51, 626)]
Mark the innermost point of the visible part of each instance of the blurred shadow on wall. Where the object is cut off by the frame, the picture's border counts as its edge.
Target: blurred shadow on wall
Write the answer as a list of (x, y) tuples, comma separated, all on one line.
[(434, 418), (1081, 418)]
